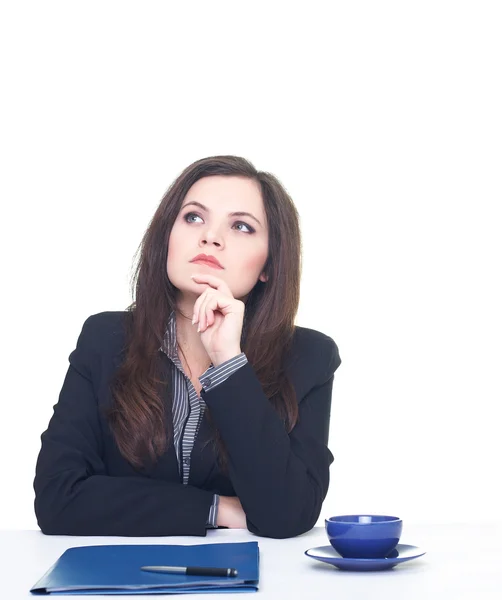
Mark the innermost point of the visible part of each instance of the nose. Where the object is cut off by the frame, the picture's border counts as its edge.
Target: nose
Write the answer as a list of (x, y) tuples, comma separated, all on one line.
[(211, 237)]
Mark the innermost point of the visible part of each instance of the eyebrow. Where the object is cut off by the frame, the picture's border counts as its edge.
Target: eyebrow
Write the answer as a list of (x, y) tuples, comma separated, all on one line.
[(232, 214)]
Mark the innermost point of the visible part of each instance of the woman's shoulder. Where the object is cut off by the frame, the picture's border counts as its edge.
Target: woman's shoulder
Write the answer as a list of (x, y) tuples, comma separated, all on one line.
[(105, 330), (313, 341), (314, 351), (100, 345), (107, 323)]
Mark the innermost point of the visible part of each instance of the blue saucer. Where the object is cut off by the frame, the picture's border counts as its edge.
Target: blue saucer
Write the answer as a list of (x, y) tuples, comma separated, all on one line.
[(401, 553)]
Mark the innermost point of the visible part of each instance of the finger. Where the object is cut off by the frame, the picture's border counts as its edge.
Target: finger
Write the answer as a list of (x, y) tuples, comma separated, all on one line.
[(202, 312), (209, 317), (211, 307), (207, 310), (196, 307), (215, 282)]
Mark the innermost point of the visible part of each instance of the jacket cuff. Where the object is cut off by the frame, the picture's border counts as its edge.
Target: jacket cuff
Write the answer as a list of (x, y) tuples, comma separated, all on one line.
[(213, 376)]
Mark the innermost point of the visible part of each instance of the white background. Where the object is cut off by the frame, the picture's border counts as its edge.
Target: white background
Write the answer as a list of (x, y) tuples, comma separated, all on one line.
[(383, 121)]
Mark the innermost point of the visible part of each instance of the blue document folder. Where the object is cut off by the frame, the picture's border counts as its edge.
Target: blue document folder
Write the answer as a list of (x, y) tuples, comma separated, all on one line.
[(116, 569)]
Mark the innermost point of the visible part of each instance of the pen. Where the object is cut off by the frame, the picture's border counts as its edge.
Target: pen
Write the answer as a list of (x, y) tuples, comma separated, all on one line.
[(217, 572)]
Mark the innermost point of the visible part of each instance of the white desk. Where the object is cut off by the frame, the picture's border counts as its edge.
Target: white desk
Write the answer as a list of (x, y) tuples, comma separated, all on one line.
[(462, 561)]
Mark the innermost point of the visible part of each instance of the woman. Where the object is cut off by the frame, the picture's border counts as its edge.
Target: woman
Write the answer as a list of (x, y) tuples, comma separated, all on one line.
[(202, 405)]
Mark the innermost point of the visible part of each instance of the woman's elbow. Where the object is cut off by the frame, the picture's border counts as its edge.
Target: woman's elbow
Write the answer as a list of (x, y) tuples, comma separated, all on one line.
[(53, 519), (46, 520), (283, 526)]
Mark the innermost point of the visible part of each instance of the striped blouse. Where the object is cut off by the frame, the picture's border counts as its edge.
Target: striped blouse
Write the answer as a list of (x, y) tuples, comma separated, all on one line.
[(188, 408)]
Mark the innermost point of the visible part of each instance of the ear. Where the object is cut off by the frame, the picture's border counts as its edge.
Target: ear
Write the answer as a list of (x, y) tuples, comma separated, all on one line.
[(263, 277)]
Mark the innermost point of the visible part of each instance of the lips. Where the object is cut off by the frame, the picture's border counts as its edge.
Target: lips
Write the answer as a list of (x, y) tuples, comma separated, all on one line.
[(207, 260)]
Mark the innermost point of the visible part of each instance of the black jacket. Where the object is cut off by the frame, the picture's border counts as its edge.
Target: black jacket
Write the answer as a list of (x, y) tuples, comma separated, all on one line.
[(84, 486)]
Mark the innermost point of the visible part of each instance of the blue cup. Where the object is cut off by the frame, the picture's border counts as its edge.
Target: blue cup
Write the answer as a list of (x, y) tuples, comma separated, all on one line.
[(364, 536)]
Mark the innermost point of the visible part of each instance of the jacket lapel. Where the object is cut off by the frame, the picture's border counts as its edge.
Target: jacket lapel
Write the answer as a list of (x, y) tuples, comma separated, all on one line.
[(166, 467), (203, 465)]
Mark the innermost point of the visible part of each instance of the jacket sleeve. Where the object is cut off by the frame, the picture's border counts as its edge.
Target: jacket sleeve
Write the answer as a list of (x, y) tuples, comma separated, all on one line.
[(73, 493), (281, 479)]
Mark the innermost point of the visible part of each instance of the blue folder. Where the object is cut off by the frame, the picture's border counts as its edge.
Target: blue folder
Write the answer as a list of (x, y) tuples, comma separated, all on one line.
[(116, 569)]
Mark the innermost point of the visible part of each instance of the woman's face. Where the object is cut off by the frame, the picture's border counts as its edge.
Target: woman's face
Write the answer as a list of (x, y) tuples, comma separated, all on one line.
[(205, 225)]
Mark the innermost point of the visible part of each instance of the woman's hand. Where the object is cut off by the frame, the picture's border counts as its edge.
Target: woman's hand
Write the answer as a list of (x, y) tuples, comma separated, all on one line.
[(231, 513), (220, 317)]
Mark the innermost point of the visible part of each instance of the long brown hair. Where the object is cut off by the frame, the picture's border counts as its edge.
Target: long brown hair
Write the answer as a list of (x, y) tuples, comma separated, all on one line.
[(138, 417)]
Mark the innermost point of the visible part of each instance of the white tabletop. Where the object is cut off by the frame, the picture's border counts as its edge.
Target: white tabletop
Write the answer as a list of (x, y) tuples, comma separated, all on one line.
[(462, 561)]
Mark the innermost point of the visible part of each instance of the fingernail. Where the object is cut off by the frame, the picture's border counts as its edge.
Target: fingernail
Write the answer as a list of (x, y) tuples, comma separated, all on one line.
[(198, 329), (193, 320)]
